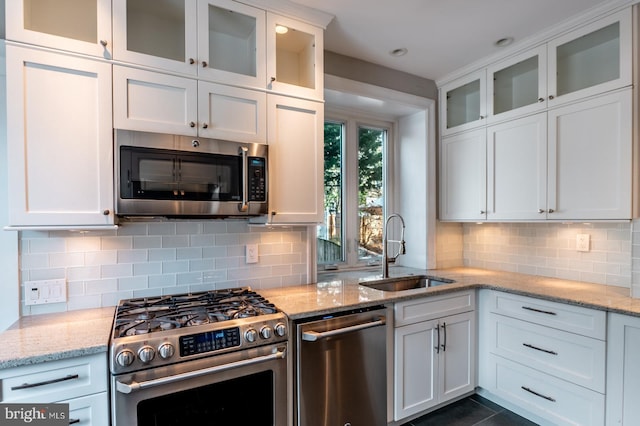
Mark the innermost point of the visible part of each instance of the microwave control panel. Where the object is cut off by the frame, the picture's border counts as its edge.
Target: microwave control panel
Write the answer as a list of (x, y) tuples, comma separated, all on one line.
[(257, 179)]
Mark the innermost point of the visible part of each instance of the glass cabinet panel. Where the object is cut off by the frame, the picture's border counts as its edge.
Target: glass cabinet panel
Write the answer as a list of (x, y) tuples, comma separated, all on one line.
[(295, 57), (515, 86), (232, 41), (156, 28), (463, 104), (589, 60), (72, 19)]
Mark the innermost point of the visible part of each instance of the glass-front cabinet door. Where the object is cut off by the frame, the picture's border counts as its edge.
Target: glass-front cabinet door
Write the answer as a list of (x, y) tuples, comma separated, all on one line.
[(157, 33), (294, 57), (591, 60), (231, 43), (77, 26), (518, 85), (463, 103)]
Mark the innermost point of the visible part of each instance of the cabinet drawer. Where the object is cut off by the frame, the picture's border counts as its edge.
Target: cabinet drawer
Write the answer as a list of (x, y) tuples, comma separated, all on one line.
[(428, 308), (92, 410), (560, 402), (574, 319), (54, 381), (568, 356)]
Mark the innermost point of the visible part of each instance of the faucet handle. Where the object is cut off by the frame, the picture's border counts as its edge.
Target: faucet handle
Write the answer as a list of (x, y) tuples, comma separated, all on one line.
[(403, 247)]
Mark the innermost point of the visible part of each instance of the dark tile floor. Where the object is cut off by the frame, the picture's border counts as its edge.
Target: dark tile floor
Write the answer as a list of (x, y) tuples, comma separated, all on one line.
[(473, 410)]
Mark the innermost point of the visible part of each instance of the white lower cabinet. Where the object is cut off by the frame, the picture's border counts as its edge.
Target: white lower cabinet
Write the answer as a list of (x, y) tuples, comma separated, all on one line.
[(623, 370), (434, 359), (81, 382), (545, 358)]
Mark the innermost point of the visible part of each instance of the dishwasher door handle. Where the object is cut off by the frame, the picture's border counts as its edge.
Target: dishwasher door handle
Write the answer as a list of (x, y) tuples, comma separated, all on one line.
[(312, 336)]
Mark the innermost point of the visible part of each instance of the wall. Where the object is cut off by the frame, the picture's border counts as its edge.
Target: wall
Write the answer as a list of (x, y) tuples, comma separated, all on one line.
[(366, 72), (548, 249), (154, 258)]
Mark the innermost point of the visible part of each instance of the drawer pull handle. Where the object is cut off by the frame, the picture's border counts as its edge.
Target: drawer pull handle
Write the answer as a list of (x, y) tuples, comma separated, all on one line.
[(548, 398), (540, 349), (74, 421), (48, 382), (540, 311)]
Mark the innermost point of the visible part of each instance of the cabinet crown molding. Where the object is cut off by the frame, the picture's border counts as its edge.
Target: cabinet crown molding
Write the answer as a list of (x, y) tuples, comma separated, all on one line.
[(293, 10)]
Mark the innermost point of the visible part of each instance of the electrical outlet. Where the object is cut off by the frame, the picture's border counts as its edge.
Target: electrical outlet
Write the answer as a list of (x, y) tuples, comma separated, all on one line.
[(45, 291), (582, 242), (251, 254)]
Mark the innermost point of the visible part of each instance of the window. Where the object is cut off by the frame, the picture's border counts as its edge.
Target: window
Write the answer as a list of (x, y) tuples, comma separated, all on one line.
[(354, 182)]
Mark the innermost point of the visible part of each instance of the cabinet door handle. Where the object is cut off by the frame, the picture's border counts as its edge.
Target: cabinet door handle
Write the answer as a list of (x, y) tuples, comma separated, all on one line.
[(528, 345), (106, 212), (551, 210), (103, 43), (540, 99), (205, 126), (444, 344), (437, 348), (46, 382), (192, 124), (548, 398), (540, 311), (540, 211), (74, 421), (204, 64), (551, 97), (192, 61)]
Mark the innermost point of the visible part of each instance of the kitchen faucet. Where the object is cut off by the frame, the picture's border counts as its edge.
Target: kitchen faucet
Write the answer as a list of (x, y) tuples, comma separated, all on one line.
[(401, 250)]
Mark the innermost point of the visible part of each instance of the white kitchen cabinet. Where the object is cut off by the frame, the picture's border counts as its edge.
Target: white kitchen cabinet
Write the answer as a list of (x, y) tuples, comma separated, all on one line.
[(295, 64), (590, 60), (434, 355), (517, 86), (546, 359), (157, 33), (463, 103), (623, 370), (161, 103), (59, 146), (296, 160), (463, 176), (81, 382), (590, 159), (517, 169), (83, 27)]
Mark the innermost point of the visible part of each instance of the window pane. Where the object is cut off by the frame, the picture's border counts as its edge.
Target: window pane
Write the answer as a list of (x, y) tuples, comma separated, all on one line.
[(371, 143), (330, 235)]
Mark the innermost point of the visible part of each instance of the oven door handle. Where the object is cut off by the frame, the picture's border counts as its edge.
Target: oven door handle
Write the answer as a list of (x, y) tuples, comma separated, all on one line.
[(244, 206), (312, 336), (134, 386)]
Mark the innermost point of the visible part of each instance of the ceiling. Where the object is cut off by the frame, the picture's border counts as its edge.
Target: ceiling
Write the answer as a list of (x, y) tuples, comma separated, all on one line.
[(440, 35)]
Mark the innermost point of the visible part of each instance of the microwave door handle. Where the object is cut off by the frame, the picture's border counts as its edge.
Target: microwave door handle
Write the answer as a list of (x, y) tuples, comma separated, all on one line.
[(244, 206)]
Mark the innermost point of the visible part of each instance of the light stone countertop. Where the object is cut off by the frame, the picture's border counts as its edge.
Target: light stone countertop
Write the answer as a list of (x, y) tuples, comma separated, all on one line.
[(40, 338), (36, 339)]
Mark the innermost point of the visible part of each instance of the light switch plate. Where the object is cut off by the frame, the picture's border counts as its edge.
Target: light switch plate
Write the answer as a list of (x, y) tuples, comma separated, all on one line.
[(45, 291), (251, 255)]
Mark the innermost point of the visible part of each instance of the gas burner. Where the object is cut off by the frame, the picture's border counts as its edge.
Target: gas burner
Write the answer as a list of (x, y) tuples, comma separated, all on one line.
[(153, 314)]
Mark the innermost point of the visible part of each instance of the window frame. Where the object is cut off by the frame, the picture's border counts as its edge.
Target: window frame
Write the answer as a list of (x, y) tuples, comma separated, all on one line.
[(351, 124)]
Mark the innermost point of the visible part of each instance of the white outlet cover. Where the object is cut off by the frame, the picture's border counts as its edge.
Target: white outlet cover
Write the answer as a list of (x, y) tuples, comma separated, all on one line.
[(251, 254), (582, 242), (45, 291)]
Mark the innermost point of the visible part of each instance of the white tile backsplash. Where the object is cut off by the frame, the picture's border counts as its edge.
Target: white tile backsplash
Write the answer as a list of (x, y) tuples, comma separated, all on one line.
[(142, 259)]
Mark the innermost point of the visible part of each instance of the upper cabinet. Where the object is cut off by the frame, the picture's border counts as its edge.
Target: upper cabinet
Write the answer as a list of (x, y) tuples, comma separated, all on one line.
[(588, 61), (591, 60), (295, 57), (517, 86), (76, 26), (463, 103)]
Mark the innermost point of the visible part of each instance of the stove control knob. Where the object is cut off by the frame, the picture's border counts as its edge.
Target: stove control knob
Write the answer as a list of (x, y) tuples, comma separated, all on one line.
[(125, 358), (166, 350), (281, 329), (250, 335), (146, 354), (266, 332)]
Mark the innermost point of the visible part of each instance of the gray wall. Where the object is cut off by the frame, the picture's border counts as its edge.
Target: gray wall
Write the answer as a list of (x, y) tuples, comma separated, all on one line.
[(367, 72)]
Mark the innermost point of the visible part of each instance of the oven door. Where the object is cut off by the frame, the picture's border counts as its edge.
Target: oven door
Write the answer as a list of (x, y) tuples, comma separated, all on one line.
[(245, 387)]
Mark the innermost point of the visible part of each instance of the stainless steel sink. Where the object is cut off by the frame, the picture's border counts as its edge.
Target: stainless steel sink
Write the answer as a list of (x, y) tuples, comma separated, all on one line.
[(408, 282)]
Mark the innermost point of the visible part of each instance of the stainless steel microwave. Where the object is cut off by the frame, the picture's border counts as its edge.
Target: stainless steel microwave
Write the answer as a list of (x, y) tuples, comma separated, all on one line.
[(178, 176)]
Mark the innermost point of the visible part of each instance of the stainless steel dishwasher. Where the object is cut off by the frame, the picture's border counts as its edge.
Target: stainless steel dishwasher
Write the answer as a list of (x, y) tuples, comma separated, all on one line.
[(341, 371)]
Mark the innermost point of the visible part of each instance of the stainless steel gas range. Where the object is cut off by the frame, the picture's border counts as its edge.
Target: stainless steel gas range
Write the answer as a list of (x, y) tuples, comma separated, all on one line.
[(214, 358)]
